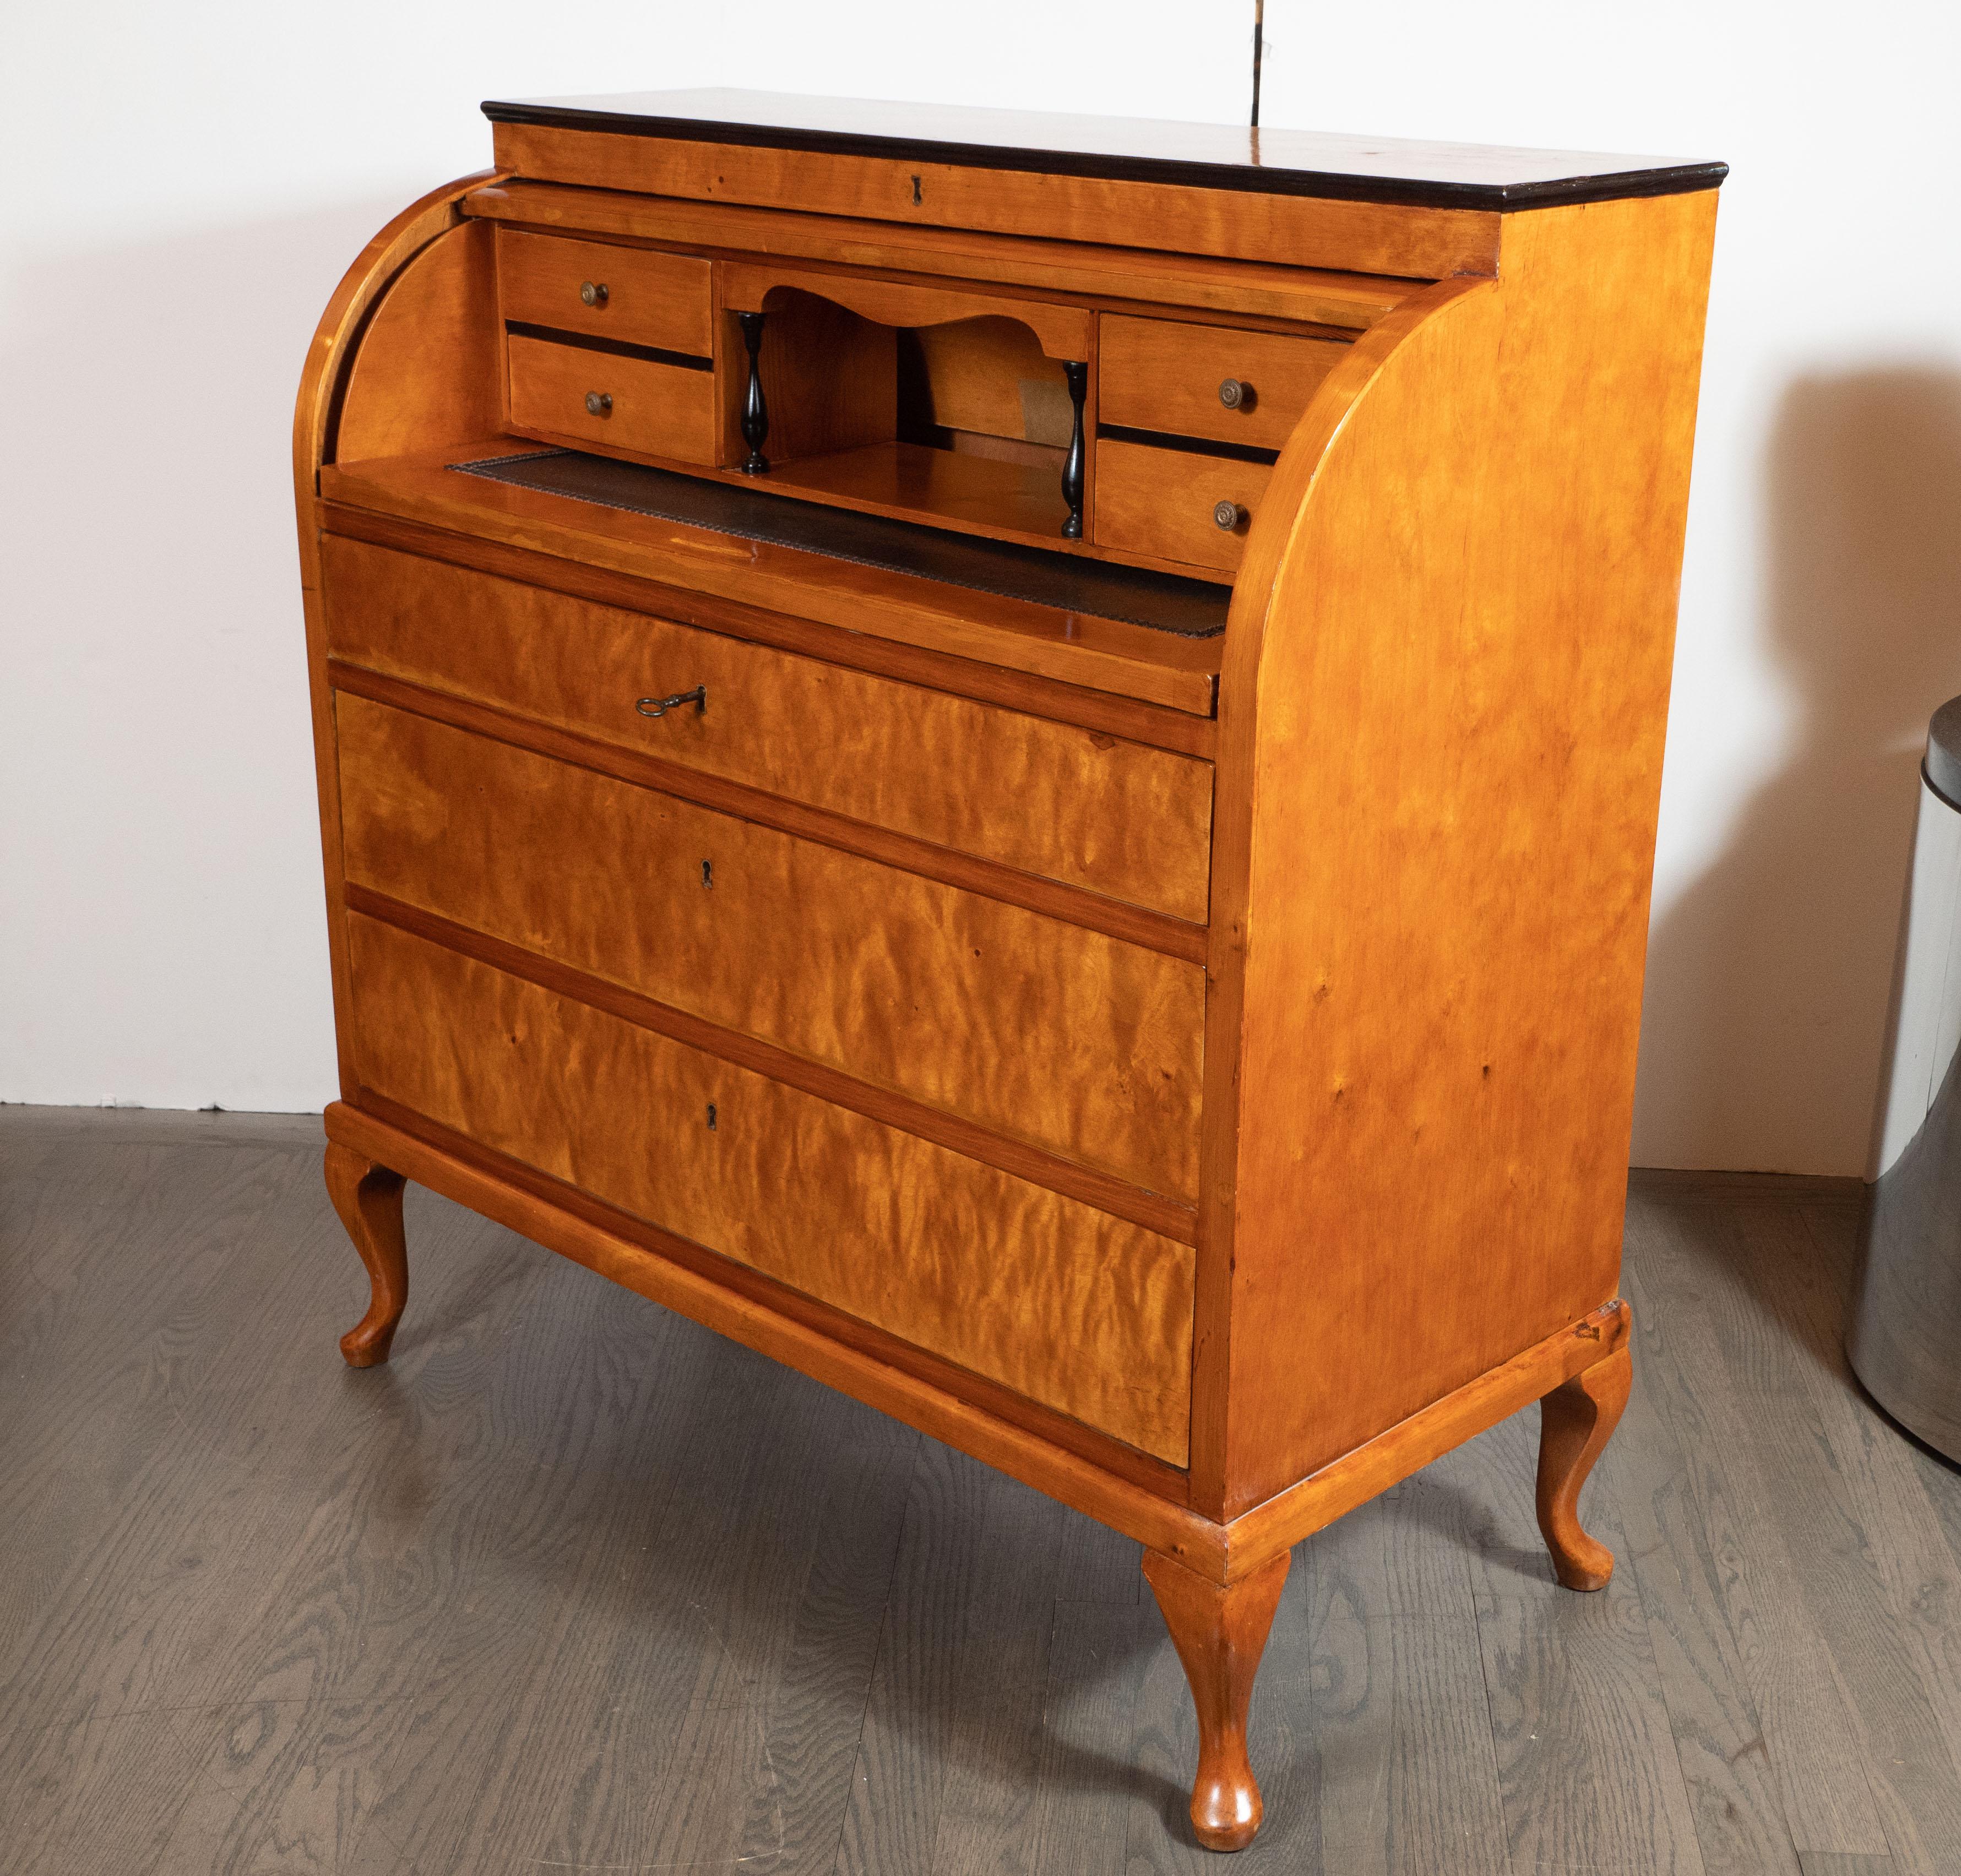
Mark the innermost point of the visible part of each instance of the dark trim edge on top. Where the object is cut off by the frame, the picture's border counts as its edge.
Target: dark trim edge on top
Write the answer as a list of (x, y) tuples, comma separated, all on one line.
[(1678, 179)]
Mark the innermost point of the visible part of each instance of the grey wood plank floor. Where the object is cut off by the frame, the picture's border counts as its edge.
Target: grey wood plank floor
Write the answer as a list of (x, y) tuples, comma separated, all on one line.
[(574, 1585)]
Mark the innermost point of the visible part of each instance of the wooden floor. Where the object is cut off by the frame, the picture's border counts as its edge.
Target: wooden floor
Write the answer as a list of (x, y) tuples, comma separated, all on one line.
[(573, 1585)]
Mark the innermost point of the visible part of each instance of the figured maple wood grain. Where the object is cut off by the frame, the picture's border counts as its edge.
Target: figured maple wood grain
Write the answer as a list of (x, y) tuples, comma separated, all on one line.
[(1039, 1028), (1176, 938), (1012, 1153), (1087, 1468), (1443, 707), (1071, 1306), (1070, 804), (1123, 717)]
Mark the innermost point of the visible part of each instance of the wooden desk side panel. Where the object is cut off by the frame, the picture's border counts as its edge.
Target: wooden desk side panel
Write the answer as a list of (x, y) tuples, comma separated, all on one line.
[(1442, 733), (350, 317)]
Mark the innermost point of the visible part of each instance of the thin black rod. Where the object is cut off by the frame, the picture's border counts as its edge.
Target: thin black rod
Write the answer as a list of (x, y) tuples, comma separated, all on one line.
[(1259, 36), (755, 411), (1074, 464)]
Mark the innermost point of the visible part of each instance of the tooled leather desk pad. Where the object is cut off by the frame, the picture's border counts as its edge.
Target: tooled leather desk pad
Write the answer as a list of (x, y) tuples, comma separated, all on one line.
[(1192, 608)]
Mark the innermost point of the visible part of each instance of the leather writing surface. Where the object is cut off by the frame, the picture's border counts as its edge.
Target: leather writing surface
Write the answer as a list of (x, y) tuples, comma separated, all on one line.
[(1193, 608)]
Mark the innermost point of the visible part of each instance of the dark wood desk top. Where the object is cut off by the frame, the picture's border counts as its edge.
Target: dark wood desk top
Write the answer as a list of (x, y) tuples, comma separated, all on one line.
[(1203, 156)]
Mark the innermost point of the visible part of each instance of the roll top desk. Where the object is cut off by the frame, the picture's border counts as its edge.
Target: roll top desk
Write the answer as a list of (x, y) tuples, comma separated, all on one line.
[(1015, 759)]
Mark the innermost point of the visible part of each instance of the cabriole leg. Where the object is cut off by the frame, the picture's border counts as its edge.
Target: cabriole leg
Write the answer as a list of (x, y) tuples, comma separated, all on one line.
[(1576, 1420), (369, 1200), (1220, 1633)]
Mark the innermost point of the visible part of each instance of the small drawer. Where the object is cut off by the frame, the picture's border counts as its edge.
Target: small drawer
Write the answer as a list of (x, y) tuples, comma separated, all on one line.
[(1119, 818), (621, 403), (630, 294), (1247, 387), (1174, 504)]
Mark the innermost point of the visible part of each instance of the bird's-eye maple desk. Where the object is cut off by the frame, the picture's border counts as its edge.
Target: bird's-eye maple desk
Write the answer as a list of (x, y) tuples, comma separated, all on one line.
[(1016, 760)]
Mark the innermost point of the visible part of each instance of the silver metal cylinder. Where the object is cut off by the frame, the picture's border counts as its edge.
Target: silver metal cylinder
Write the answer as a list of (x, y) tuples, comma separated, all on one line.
[(1905, 1342)]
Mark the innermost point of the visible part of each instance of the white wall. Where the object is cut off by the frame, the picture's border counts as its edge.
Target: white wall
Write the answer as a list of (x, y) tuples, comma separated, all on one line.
[(186, 183), (1821, 605)]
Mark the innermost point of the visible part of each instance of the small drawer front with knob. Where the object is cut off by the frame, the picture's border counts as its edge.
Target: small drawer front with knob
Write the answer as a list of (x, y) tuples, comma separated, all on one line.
[(632, 294), (1176, 504), (1212, 381), (605, 398)]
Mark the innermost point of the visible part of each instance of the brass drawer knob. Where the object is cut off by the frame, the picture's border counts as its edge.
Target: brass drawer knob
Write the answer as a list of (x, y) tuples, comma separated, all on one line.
[(1228, 515), (593, 292), (599, 404), (1236, 394)]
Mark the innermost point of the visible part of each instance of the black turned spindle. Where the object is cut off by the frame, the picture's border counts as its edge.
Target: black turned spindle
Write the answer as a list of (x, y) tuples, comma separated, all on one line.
[(1072, 463), (755, 412)]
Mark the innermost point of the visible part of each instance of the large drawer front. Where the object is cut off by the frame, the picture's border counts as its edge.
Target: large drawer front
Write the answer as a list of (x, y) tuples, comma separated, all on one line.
[(1080, 1043), (1118, 818), (1068, 1306)]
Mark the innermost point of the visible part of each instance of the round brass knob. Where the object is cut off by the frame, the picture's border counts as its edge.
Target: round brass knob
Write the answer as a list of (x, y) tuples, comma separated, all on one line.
[(1236, 394), (593, 292), (1228, 515), (599, 404)]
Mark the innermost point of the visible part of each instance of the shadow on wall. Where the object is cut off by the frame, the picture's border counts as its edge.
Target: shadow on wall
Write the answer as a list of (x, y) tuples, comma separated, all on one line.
[(1769, 980)]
